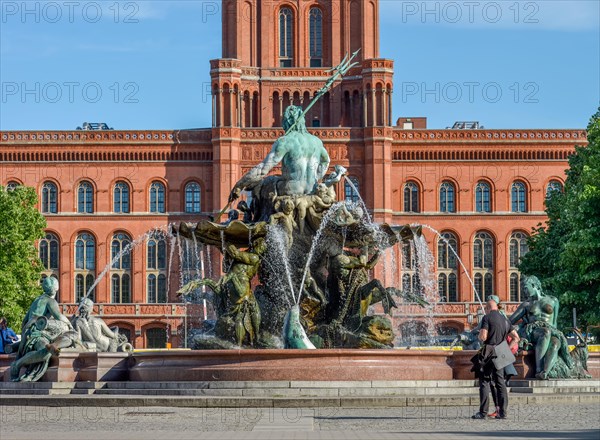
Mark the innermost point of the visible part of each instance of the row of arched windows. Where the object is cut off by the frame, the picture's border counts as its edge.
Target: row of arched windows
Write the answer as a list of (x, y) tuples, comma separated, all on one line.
[(483, 196), (121, 197), (120, 268), (484, 266)]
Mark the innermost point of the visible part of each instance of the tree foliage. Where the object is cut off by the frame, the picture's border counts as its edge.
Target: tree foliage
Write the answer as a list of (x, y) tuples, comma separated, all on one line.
[(565, 253), (21, 224)]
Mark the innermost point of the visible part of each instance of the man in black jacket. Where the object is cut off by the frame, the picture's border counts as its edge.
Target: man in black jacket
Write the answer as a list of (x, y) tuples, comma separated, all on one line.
[(494, 330)]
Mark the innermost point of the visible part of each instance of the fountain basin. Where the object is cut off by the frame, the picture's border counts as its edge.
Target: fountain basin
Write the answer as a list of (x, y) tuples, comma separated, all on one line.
[(298, 365), (276, 365)]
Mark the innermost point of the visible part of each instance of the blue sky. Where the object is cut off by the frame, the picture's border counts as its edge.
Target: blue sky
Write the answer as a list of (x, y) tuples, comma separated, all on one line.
[(145, 64)]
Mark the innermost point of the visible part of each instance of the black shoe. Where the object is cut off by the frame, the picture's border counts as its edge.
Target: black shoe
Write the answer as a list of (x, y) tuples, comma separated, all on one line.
[(478, 416), (501, 416)]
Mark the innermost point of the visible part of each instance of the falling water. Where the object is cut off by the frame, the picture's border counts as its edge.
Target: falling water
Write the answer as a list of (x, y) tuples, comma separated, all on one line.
[(424, 258), (362, 202), (277, 236), (315, 241), (172, 244), (127, 249), (459, 260)]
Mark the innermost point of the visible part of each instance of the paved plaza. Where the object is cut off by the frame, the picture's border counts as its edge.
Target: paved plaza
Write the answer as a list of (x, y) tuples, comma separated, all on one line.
[(575, 421)]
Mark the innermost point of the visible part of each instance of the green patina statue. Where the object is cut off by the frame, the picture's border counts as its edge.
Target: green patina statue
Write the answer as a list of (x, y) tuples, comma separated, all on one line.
[(312, 255), (538, 317), (94, 332), (234, 300), (45, 331)]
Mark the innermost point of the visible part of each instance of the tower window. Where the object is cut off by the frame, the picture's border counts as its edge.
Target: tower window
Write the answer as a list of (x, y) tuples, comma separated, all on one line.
[(286, 37), (316, 37)]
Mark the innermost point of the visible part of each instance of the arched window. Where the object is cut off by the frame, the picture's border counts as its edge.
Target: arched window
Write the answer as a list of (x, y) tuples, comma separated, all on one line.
[(121, 198), (447, 267), (49, 198), (49, 248), (517, 249), (286, 37), (447, 197), (12, 185), (411, 197), (120, 285), (85, 265), (156, 338), (553, 185), (483, 197), (157, 197), (316, 37), (410, 278), (351, 189), (483, 264), (518, 197), (156, 268), (85, 198), (192, 198)]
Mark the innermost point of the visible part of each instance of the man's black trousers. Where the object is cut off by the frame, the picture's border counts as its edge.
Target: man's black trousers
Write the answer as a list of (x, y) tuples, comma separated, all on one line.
[(497, 376)]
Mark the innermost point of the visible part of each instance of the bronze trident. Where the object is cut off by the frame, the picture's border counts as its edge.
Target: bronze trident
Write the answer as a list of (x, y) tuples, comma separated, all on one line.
[(339, 70)]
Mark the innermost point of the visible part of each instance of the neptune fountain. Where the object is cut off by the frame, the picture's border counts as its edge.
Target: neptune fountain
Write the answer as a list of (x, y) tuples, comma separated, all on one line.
[(311, 255)]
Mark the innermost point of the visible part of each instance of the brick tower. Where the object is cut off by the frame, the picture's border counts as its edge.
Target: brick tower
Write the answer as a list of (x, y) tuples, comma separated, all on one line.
[(277, 53)]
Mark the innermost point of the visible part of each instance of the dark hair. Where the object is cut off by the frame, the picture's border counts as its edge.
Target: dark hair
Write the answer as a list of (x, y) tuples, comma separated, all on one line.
[(3, 319)]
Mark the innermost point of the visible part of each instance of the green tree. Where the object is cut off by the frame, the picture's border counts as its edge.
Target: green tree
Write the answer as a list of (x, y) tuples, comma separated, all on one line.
[(565, 253), (21, 224)]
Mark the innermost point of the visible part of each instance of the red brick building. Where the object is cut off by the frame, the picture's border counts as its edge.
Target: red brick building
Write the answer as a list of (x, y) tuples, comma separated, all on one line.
[(483, 190)]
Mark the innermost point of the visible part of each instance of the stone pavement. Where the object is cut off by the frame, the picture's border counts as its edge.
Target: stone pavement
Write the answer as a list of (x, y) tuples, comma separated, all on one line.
[(576, 421)]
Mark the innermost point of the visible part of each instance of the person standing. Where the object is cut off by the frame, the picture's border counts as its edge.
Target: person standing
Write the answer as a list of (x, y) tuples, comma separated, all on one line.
[(7, 335), (494, 330)]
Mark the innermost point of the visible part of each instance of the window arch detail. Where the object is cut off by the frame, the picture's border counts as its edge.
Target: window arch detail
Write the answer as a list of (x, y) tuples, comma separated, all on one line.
[(518, 197), (120, 278), (192, 198), (316, 37), (85, 265), (483, 265), (156, 269), (157, 197), (121, 198), (286, 37), (85, 198), (483, 198), (447, 267), (517, 248), (49, 198), (411, 197), (447, 197)]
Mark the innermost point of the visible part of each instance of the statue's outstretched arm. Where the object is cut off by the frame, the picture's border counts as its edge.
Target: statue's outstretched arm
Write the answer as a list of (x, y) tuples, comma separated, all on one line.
[(260, 171), (323, 164), (518, 314), (106, 331), (52, 307), (243, 257)]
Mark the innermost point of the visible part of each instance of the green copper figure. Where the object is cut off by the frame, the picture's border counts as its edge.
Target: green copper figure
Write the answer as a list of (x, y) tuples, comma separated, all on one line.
[(45, 332), (538, 316)]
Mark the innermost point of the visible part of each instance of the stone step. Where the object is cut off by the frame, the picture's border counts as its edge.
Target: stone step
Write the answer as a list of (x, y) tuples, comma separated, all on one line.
[(284, 402), (285, 392), (556, 390), (553, 383)]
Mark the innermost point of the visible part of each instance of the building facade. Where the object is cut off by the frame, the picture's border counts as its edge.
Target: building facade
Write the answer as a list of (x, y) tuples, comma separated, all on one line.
[(106, 191)]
